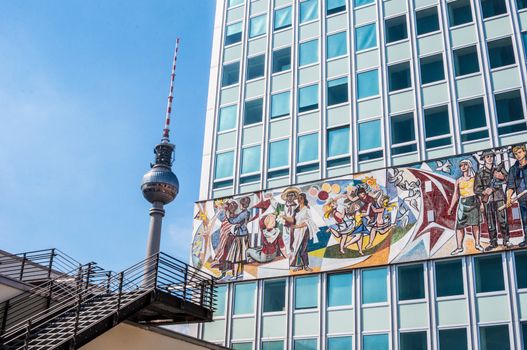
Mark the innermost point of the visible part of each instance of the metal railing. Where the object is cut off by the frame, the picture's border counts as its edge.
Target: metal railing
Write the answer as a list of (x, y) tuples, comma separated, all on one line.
[(36, 266), (99, 296)]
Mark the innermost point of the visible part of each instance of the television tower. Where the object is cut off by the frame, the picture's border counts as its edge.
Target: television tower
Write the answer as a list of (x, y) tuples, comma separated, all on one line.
[(160, 185)]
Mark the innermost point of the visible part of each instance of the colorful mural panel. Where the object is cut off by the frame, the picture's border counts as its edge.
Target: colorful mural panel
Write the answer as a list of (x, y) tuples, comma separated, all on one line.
[(467, 204)]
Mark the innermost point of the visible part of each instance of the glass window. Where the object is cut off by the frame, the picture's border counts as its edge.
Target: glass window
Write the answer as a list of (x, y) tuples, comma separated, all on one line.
[(281, 60), (305, 344), (472, 118), (335, 6), (363, 2), (282, 18), (306, 292), (253, 111), (524, 334), (403, 131), (242, 346), (375, 342), (366, 37), (494, 337), (278, 154), (337, 45), (274, 295), (370, 135), (337, 91), (521, 4), (486, 266), (257, 26), (340, 343), (255, 67), (227, 118), (501, 53), (307, 98), (273, 345), (338, 141), (307, 148), (411, 282), (235, 2), (396, 29), (374, 286), (399, 76), (367, 84), (280, 104), (453, 339), (437, 124), (308, 10), (244, 298), (224, 163), (221, 293), (520, 259), (231, 74), (432, 69), (413, 340), (308, 52), (459, 12), (524, 41), (509, 109), (233, 33), (466, 61), (339, 289), (491, 8), (251, 159), (427, 21)]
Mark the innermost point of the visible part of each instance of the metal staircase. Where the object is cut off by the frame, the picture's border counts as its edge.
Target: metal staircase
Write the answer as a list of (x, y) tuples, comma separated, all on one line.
[(157, 290)]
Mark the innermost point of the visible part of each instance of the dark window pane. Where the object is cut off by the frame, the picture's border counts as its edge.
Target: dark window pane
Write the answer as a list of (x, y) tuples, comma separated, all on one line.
[(253, 111), (475, 136), (492, 8), (337, 91), (520, 259), (472, 114), (281, 60), (449, 278), (466, 61), (521, 4), (437, 122), (453, 339), (503, 130), (233, 33), (274, 296), (231, 74), (494, 337), (509, 107), (396, 29), (374, 286), (339, 289), (273, 345), (427, 21), (500, 53), (340, 343), (459, 12), (524, 335), (413, 341), (402, 128), (489, 274), (371, 155), (335, 6), (255, 67), (411, 282), (404, 149), (399, 76), (432, 69), (439, 142), (306, 292)]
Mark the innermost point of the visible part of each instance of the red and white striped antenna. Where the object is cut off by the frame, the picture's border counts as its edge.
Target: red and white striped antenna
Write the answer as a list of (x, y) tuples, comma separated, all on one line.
[(166, 129)]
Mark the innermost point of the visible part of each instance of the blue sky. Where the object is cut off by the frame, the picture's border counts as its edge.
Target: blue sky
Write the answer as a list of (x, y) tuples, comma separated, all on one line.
[(83, 88)]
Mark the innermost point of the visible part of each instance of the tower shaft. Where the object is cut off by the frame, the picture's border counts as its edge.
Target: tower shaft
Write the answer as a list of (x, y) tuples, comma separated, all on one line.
[(157, 212)]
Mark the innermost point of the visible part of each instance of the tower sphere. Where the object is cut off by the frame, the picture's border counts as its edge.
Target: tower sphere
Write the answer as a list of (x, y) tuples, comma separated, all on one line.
[(160, 184)]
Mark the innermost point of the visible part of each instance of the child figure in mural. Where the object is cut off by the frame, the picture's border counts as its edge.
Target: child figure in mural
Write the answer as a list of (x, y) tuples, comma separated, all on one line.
[(227, 212), (382, 222), (488, 185), (517, 184), (468, 209), (303, 229), (272, 243), (237, 254)]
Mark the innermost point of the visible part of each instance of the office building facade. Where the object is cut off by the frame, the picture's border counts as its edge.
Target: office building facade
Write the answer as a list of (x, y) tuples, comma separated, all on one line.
[(363, 175)]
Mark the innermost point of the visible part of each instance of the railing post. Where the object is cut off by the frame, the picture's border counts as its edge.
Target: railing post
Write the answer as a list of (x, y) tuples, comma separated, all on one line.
[(28, 330), (22, 267), (50, 267), (109, 274), (88, 276), (211, 299), (156, 271), (121, 277), (50, 294), (4, 317), (185, 283), (77, 316)]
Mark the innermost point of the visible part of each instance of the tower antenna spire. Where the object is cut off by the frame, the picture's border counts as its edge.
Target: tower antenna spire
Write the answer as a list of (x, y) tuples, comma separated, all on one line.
[(166, 129)]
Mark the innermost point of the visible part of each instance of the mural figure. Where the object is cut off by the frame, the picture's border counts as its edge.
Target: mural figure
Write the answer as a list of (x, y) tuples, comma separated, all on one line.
[(227, 212), (382, 222), (488, 185), (290, 196), (303, 229), (468, 209), (272, 242), (237, 254), (516, 184)]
